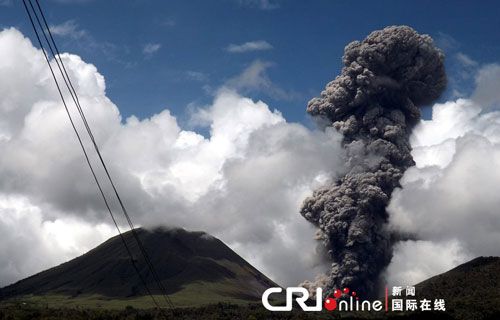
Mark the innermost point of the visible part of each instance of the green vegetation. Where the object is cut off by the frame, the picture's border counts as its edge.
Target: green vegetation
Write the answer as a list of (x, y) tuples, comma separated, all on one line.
[(194, 268), (194, 294), (206, 280), (471, 290), (219, 311)]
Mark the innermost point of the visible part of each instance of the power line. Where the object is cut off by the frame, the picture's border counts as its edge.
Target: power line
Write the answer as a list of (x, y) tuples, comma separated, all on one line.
[(74, 95), (85, 152), (72, 91)]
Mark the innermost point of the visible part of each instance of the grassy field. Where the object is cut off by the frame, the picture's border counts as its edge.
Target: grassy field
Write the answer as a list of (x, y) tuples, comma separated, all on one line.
[(194, 294), (100, 307), (219, 311), (193, 269)]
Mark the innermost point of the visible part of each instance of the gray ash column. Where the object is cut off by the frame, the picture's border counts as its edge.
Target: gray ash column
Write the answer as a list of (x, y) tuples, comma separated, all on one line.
[(375, 104)]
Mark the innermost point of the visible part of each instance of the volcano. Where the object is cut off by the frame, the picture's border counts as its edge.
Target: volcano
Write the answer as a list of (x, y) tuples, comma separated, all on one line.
[(194, 267), (471, 290)]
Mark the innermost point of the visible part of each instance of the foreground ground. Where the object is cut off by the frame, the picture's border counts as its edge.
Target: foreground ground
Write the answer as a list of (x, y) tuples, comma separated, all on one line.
[(471, 291), (223, 311)]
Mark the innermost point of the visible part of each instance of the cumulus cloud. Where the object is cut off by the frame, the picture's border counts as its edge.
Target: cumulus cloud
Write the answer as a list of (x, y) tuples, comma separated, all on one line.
[(449, 200), (249, 46), (242, 183), (31, 243)]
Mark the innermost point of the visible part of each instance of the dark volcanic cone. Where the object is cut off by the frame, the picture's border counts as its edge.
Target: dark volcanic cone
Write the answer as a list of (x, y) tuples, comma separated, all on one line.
[(374, 103), (182, 259)]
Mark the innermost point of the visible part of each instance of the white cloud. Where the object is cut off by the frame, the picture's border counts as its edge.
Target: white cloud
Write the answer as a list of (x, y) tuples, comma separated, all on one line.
[(68, 28), (255, 79), (260, 4), (73, 1), (449, 201), (466, 60), (249, 46), (415, 261), (446, 42), (243, 183), (31, 243), (84, 40), (169, 22), (461, 71), (487, 91), (151, 48), (196, 76)]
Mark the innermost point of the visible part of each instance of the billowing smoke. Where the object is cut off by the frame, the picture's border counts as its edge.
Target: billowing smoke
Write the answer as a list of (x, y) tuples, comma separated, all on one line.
[(374, 103)]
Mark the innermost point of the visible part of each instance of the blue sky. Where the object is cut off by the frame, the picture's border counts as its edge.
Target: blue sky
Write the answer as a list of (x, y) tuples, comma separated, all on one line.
[(174, 54)]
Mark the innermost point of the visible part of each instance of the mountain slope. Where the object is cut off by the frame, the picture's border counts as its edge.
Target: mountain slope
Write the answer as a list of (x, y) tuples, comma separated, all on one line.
[(194, 267), (471, 290)]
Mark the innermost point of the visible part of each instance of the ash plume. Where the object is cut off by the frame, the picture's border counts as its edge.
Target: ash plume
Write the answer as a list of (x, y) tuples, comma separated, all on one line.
[(375, 104)]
